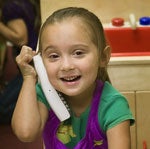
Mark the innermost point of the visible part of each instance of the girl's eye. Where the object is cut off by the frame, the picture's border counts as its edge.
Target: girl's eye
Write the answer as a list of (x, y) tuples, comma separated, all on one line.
[(78, 53), (53, 56)]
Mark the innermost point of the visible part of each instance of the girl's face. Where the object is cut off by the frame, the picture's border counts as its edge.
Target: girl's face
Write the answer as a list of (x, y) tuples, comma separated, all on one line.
[(70, 57)]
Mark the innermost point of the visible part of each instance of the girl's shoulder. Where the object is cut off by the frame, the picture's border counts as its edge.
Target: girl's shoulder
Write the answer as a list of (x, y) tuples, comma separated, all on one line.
[(113, 108), (110, 92)]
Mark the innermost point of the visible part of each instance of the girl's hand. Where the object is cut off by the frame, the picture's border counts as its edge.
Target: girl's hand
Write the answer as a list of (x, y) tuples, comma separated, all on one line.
[(24, 60)]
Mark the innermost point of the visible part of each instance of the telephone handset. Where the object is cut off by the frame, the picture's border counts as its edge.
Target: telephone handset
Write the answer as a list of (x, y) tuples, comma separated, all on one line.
[(51, 94)]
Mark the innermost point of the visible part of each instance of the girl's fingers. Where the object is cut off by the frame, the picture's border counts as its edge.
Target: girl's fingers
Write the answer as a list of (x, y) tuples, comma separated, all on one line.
[(25, 55), (24, 61)]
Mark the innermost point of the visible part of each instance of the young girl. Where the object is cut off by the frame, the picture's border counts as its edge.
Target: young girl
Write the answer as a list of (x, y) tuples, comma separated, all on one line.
[(75, 55)]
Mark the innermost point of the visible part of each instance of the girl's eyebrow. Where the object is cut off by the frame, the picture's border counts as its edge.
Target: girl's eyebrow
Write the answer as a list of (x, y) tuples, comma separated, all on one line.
[(80, 45), (52, 47), (49, 48)]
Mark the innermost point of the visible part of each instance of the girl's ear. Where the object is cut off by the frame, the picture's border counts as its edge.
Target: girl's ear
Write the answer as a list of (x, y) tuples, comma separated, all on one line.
[(105, 56)]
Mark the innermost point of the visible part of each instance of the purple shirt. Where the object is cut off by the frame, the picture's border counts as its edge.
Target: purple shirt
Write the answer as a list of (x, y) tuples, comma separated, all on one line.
[(21, 9)]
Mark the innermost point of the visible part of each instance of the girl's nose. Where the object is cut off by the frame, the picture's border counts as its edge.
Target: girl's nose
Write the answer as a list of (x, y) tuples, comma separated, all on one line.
[(67, 64)]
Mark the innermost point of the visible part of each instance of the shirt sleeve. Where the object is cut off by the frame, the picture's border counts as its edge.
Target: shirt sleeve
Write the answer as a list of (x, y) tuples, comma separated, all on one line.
[(113, 111), (40, 95), (10, 7)]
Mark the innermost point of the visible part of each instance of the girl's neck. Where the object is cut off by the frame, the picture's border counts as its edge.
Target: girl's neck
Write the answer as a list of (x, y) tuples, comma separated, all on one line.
[(79, 104)]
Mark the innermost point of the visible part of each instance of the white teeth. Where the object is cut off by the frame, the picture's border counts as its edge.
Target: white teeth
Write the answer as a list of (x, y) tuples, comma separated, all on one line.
[(70, 78)]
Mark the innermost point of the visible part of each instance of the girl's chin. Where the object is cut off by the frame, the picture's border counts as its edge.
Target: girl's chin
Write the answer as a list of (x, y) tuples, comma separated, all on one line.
[(71, 93)]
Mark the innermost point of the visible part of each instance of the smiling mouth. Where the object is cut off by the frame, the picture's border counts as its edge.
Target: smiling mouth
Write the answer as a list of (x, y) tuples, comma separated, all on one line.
[(71, 79)]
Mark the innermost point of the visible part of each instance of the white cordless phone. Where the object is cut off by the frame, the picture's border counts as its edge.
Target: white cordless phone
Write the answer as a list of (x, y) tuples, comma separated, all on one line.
[(51, 94)]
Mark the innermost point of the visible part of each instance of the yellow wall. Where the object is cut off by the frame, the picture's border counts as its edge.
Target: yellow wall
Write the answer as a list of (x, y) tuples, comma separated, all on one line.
[(105, 9)]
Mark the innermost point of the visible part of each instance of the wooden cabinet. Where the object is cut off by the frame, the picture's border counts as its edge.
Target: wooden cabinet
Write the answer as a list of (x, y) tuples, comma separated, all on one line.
[(131, 99), (130, 75), (143, 118)]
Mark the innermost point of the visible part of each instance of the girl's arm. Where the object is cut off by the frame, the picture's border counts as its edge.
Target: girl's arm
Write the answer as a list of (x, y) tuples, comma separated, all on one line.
[(119, 136), (29, 116)]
